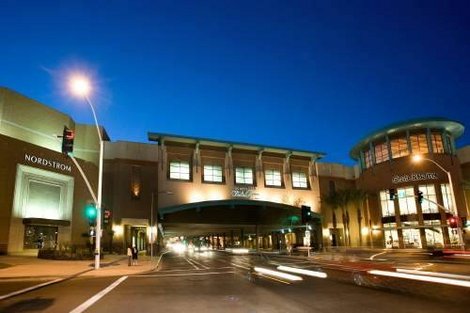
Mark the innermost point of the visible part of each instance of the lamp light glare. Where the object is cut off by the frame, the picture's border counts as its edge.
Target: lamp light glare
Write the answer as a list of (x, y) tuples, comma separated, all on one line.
[(80, 85)]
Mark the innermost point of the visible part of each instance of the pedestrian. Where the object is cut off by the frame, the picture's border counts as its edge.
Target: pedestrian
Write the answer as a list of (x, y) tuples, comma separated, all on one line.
[(135, 253), (129, 256)]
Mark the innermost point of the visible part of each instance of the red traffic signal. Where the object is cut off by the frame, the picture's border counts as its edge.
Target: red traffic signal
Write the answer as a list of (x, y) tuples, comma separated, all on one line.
[(106, 216), (453, 222), (67, 140)]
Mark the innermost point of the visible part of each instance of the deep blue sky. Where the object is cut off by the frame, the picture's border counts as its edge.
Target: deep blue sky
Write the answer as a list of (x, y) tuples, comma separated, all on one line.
[(311, 75)]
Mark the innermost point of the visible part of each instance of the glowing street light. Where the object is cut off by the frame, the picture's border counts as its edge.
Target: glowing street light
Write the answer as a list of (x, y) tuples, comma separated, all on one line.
[(418, 158), (80, 86)]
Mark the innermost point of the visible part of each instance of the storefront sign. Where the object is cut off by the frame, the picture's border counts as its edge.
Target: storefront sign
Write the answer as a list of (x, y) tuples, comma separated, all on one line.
[(46, 162), (398, 179), (243, 192)]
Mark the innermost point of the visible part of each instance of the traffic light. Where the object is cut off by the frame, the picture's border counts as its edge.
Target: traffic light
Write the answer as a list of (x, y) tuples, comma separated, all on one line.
[(392, 193), (106, 216), (90, 213), (420, 197), (453, 222), (67, 140), (306, 214)]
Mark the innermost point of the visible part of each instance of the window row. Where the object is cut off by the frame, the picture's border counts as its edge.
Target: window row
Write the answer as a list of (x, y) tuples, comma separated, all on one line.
[(181, 170), (403, 146), (407, 200)]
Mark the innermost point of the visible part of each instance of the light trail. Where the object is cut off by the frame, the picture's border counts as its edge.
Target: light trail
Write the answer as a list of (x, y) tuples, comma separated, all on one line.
[(439, 280), (302, 271)]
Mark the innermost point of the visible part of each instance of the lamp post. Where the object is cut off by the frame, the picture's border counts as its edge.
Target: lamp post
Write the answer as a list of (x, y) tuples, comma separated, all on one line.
[(80, 86), (419, 158)]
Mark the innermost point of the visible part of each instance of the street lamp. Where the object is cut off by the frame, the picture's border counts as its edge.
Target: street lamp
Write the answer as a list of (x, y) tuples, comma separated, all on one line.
[(418, 158), (80, 86)]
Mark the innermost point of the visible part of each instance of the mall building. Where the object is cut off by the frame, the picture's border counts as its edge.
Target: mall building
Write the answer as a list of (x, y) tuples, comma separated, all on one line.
[(226, 194)]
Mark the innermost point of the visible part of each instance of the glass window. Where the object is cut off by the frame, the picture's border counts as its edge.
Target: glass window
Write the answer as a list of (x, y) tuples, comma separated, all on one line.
[(447, 198), (299, 180), (179, 170), (411, 236), (406, 200), (388, 206), (399, 147), (433, 231), (273, 178), (213, 173), (419, 144), (437, 143), (367, 159), (429, 202), (381, 153), (244, 175), (391, 235)]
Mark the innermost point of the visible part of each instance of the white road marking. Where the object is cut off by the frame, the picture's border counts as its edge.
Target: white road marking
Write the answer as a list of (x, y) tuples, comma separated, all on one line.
[(236, 265), (85, 305), (200, 264), (14, 293), (194, 265), (373, 256), (189, 274)]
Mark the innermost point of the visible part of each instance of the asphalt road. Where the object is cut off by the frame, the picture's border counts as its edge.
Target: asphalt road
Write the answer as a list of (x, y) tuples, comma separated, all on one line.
[(222, 282)]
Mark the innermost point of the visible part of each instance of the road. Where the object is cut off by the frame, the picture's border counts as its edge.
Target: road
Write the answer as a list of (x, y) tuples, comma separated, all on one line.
[(223, 282)]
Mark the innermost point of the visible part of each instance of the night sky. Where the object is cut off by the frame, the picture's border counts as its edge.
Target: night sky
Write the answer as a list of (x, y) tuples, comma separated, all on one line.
[(309, 75)]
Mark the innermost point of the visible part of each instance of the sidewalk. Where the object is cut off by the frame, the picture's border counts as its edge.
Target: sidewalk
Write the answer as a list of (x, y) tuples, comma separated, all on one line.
[(31, 267)]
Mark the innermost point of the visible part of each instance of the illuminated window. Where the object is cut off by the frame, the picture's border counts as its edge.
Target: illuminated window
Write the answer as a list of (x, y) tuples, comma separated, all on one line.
[(388, 206), (429, 193), (213, 173), (447, 198), (299, 180), (399, 147), (244, 175), (437, 143), (391, 235), (419, 143), (406, 200), (179, 170), (273, 178), (367, 158), (135, 182), (381, 153), (433, 232), (411, 235)]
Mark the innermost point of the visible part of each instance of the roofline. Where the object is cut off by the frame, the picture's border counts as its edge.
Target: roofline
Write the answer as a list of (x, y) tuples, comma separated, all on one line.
[(455, 128), (159, 137)]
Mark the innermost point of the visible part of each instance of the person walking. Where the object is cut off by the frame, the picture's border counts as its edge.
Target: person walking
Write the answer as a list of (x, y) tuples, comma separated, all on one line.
[(129, 255), (135, 254)]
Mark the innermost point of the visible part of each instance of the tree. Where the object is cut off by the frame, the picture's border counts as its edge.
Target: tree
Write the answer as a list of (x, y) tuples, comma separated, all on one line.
[(357, 197), (332, 201)]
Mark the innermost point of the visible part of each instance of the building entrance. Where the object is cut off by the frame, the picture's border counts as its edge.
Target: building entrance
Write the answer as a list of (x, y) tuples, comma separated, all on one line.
[(38, 237)]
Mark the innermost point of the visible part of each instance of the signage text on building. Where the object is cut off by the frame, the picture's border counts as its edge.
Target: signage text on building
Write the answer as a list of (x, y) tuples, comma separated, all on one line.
[(397, 179), (46, 162), (243, 192)]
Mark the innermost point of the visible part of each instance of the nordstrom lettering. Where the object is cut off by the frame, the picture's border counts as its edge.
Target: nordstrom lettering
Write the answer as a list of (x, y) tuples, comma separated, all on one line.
[(49, 163), (397, 179)]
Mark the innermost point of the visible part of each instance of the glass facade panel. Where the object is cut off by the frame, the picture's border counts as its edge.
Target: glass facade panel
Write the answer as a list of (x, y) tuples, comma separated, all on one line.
[(391, 235), (429, 193), (381, 153), (399, 147), (213, 173), (367, 159), (434, 236), (447, 198), (419, 143), (437, 143), (179, 170), (273, 178), (244, 175), (411, 235), (388, 206), (406, 200), (299, 180)]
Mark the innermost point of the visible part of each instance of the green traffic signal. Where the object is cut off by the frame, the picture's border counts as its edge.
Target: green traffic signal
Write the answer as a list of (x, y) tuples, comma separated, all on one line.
[(90, 212)]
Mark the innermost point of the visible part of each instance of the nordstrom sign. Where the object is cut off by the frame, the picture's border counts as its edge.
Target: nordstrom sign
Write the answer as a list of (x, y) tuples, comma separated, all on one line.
[(397, 179), (48, 163)]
